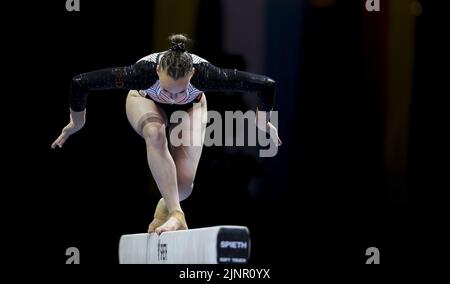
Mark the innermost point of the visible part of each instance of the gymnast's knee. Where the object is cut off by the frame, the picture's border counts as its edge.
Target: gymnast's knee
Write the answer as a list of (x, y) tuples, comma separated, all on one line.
[(154, 134)]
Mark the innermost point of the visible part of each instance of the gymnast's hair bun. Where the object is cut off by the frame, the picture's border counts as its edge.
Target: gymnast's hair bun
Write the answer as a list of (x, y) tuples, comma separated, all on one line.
[(178, 42)]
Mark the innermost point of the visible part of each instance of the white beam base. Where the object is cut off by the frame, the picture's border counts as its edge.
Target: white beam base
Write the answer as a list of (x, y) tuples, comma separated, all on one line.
[(211, 245)]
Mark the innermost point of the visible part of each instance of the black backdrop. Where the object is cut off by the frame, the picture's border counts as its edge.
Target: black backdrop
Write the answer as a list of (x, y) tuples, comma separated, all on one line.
[(332, 203)]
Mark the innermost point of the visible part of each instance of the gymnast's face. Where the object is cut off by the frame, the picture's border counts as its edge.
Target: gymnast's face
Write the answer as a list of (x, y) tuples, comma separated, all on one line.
[(173, 87)]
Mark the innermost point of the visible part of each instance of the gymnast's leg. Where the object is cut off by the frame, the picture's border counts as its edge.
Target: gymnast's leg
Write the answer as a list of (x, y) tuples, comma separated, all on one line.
[(187, 157), (150, 122)]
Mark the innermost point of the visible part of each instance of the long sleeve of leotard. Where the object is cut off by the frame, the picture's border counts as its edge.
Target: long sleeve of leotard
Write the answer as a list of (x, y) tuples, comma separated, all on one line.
[(208, 77), (135, 77)]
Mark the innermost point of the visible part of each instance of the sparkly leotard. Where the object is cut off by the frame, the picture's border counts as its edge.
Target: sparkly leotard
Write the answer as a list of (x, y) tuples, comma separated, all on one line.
[(142, 76)]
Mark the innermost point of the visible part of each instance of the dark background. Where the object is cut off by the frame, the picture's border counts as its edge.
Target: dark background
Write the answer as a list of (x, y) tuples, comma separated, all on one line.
[(357, 120)]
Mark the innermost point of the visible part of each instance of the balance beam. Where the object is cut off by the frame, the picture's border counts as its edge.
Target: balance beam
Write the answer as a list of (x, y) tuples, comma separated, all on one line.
[(210, 245)]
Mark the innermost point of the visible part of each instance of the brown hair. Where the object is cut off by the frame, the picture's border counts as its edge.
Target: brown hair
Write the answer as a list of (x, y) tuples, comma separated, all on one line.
[(177, 61)]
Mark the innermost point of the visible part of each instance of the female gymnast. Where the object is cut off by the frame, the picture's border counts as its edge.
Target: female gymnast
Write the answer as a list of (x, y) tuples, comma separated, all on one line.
[(158, 85)]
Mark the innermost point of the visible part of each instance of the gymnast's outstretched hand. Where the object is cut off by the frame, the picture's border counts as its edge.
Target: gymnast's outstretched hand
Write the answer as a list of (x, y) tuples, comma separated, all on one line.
[(77, 121), (266, 126)]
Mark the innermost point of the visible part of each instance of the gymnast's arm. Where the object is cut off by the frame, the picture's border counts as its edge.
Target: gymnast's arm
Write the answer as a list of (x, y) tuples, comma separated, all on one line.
[(138, 76), (208, 77)]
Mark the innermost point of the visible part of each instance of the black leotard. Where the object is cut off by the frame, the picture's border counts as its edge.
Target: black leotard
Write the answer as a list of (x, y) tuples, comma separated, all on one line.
[(142, 75)]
